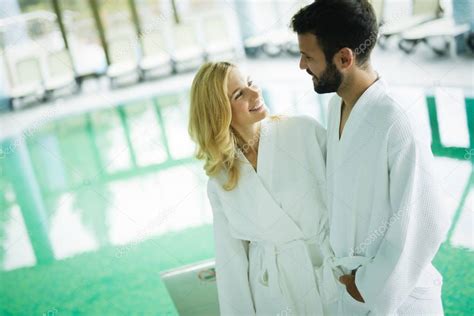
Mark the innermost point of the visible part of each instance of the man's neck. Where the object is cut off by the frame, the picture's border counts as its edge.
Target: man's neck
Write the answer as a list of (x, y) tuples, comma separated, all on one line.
[(357, 84)]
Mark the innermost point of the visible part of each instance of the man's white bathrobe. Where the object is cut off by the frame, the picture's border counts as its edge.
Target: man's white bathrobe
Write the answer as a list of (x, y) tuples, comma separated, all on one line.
[(267, 230), (385, 207)]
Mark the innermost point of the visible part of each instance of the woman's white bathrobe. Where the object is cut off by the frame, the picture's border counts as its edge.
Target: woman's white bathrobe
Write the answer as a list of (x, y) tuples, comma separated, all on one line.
[(386, 210), (268, 228)]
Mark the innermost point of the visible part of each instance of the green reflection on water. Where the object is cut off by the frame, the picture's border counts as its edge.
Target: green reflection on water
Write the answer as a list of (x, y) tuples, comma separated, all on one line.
[(82, 155)]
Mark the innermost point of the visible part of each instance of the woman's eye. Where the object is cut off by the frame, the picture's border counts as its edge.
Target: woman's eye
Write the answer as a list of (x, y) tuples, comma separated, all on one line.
[(238, 95)]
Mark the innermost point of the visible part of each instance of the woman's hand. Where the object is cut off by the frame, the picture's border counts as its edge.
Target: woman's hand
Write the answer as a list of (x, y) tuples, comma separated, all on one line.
[(349, 281)]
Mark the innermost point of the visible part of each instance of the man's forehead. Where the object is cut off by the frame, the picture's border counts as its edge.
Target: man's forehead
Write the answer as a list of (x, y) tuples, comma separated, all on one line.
[(308, 40)]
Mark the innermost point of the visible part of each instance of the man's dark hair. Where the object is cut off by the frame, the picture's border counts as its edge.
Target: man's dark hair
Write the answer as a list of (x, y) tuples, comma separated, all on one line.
[(338, 24)]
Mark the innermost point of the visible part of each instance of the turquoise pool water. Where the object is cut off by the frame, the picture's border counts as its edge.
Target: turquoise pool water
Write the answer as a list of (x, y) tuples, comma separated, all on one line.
[(94, 206)]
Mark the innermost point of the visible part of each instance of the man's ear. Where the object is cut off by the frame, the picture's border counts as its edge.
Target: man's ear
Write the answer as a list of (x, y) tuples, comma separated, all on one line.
[(344, 59)]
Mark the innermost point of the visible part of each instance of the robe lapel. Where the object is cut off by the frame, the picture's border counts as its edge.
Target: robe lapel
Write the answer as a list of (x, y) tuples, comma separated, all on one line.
[(253, 197), (358, 134), (360, 129)]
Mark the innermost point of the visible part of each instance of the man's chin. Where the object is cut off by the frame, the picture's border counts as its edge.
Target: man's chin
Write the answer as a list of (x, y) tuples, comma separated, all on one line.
[(322, 89)]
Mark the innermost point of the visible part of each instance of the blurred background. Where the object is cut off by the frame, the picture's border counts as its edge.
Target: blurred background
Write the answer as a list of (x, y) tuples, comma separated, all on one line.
[(99, 190)]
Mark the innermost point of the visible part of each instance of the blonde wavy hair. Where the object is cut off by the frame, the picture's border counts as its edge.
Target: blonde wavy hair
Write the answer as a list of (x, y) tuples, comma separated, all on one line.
[(209, 122)]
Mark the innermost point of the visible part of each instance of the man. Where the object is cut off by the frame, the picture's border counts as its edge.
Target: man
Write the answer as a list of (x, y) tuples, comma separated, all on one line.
[(386, 219)]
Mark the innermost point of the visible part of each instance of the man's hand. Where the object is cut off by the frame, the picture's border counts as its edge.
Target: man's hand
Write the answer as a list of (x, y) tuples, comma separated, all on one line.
[(349, 281)]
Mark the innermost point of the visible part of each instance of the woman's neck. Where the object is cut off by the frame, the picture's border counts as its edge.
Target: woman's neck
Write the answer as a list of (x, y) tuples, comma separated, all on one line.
[(250, 135)]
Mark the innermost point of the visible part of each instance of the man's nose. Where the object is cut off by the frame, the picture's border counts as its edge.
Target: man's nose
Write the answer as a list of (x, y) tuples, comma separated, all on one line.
[(302, 65)]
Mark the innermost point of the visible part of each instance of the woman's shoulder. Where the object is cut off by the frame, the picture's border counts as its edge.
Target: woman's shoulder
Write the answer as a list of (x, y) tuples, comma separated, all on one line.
[(301, 122), (215, 183), (302, 130), (214, 188), (306, 119)]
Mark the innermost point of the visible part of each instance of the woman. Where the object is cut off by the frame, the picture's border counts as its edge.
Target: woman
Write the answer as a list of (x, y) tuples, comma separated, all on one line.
[(267, 191)]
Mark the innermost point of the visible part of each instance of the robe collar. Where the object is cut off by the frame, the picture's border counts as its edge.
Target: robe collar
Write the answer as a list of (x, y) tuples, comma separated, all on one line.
[(251, 197), (359, 114)]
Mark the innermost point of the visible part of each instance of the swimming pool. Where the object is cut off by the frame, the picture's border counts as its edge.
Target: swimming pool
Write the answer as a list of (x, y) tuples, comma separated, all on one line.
[(95, 204)]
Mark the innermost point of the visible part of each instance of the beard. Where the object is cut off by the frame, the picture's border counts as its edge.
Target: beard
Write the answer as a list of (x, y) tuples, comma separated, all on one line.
[(329, 81)]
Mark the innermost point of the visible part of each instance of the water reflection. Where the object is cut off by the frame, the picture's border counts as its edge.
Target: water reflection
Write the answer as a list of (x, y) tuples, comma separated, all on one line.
[(105, 176), (125, 174)]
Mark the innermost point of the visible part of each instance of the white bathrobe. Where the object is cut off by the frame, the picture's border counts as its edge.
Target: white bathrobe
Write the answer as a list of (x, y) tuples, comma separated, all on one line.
[(267, 230), (385, 207)]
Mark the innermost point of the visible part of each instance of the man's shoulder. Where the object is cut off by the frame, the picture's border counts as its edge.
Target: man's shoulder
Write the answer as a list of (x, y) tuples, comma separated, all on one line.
[(398, 121), (388, 113)]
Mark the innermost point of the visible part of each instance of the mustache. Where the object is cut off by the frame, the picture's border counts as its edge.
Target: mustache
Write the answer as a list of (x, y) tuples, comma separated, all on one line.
[(309, 72)]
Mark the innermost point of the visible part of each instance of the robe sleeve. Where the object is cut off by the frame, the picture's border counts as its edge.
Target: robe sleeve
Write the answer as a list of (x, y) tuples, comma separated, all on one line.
[(308, 123), (231, 265), (321, 136), (323, 233), (415, 230)]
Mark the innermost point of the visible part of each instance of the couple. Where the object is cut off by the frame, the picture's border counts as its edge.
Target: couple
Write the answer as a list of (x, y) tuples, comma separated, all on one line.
[(313, 222)]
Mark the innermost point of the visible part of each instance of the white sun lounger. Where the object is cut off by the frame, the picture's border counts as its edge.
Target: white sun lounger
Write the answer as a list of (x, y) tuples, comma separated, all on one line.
[(444, 29)]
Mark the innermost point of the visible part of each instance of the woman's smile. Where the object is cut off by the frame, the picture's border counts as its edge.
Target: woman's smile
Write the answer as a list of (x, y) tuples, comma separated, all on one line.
[(258, 107)]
